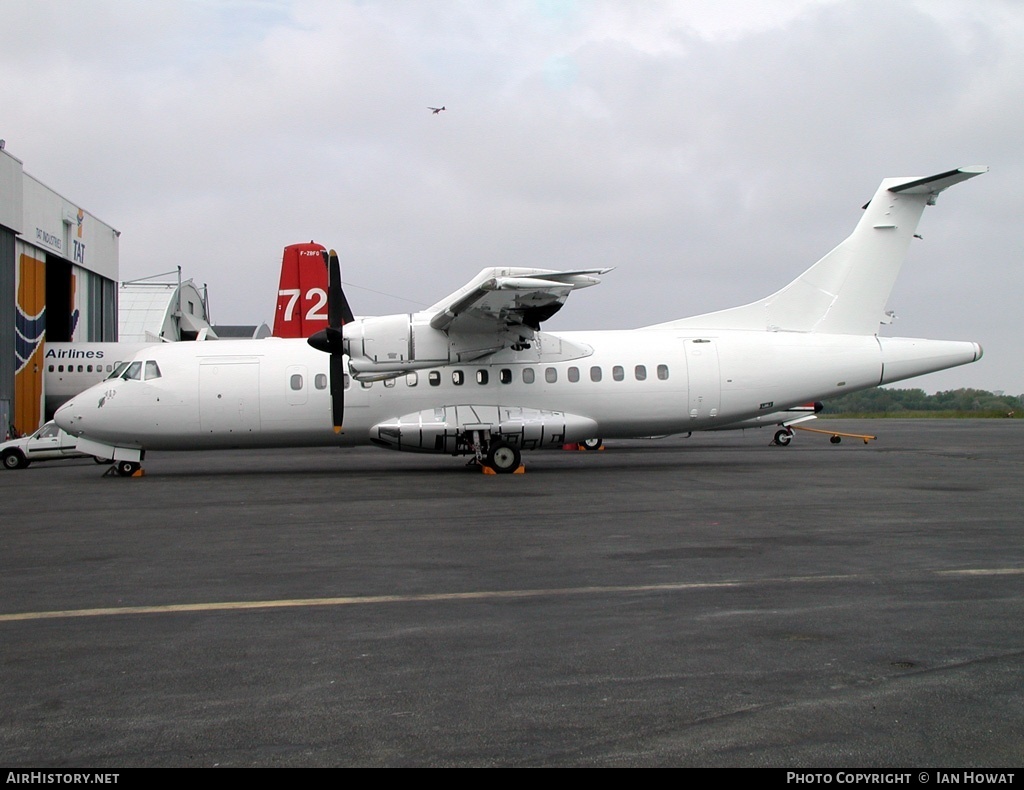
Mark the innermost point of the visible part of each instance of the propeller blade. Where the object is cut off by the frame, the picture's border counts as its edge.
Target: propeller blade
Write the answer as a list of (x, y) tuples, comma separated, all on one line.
[(337, 391), (338, 311), (332, 339)]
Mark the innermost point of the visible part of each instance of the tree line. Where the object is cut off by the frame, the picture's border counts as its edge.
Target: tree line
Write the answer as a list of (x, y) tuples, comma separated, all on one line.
[(882, 401)]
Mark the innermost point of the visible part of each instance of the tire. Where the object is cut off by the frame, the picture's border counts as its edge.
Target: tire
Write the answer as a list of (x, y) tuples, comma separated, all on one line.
[(835, 439), (503, 457), (783, 437), (127, 468), (103, 460), (15, 460), (591, 444)]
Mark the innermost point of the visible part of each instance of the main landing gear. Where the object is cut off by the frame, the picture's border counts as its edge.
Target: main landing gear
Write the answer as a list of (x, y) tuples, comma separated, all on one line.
[(493, 455)]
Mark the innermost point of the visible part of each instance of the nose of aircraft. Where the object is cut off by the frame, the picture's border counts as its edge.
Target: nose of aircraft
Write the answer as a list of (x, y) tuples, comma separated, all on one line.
[(66, 419)]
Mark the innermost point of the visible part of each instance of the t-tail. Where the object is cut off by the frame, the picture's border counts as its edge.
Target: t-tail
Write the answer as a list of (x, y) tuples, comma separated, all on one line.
[(302, 295), (846, 292)]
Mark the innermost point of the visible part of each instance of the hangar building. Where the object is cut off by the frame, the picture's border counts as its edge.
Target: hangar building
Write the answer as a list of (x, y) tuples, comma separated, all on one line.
[(58, 281)]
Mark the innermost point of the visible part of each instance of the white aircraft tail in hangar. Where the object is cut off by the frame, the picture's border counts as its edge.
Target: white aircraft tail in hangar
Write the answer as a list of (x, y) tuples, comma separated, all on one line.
[(474, 373)]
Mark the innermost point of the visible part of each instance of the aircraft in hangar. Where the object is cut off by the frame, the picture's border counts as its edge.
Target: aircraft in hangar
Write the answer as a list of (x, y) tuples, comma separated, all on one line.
[(475, 375)]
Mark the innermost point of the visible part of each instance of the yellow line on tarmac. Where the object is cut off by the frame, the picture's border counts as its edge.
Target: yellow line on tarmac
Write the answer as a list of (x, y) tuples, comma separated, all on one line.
[(229, 606)]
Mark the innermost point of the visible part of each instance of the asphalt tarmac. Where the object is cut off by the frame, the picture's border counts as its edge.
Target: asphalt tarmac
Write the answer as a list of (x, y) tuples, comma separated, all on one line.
[(707, 601)]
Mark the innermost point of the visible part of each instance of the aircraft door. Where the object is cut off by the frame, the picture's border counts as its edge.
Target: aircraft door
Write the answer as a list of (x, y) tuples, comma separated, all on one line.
[(229, 396), (705, 382)]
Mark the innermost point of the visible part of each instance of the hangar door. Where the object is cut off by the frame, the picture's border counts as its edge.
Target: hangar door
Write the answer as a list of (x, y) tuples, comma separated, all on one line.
[(229, 396)]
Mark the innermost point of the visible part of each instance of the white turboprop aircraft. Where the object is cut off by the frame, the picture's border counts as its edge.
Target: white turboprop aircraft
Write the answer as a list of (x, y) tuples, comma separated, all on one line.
[(475, 375)]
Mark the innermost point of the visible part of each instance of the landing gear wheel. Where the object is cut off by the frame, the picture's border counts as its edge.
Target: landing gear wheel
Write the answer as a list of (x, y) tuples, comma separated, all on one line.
[(103, 460), (591, 444), (127, 468), (503, 458), (783, 437), (835, 439), (14, 460)]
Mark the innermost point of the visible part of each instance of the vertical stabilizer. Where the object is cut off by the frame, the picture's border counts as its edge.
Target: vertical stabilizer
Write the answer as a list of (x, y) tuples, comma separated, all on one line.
[(847, 290), (302, 295)]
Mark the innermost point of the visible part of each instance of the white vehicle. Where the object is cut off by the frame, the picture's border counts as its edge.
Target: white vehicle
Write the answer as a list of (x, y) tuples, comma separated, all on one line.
[(474, 374), (47, 444)]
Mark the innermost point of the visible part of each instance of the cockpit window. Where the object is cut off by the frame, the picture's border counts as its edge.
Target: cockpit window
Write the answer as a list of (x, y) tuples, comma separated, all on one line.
[(152, 369), (118, 370), (134, 372)]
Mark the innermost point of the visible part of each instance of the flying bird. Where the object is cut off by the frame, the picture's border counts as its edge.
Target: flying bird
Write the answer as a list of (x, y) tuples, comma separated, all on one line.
[(435, 110)]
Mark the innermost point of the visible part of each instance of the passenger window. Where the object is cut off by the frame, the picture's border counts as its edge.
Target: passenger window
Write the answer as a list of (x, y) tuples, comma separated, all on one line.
[(434, 378), (618, 373), (133, 371), (481, 376), (663, 372), (505, 376), (366, 384), (320, 381), (346, 377), (550, 375), (152, 369), (595, 373), (574, 375), (296, 381), (412, 379), (60, 368), (51, 368), (641, 373), (88, 368), (81, 369), (527, 375), (389, 383), (458, 377)]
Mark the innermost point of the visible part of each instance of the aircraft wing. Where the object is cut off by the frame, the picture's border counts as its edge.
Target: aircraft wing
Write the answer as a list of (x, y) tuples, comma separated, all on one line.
[(499, 299)]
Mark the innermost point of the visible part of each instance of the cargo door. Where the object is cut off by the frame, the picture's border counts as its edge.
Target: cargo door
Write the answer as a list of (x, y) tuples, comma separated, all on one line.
[(229, 396)]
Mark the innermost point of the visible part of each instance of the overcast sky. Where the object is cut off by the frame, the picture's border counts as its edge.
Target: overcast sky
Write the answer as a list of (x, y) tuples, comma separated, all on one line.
[(709, 151)]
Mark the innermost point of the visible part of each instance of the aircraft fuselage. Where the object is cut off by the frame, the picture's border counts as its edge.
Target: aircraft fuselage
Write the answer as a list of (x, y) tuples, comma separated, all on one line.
[(612, 384)]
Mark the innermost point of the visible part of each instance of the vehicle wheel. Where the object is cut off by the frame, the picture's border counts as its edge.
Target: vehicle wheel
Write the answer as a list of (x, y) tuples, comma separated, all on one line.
[(783, 437), (503, 457), (127, 468), (835, 439), (591, 444), (15, 460)]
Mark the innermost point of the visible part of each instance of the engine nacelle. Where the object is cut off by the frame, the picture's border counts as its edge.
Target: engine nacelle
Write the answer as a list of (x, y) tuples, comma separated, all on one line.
[(394, 342)]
